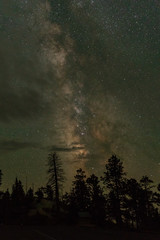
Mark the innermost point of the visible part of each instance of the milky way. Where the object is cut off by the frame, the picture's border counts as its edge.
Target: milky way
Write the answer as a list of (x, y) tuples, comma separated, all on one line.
[(80, 78)]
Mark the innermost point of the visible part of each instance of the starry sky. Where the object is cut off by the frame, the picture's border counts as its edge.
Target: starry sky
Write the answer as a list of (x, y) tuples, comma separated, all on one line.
[(82, 78)]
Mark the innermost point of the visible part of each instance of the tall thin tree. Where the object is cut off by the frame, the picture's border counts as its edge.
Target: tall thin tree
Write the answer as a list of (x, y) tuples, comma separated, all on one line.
[(56, 175)]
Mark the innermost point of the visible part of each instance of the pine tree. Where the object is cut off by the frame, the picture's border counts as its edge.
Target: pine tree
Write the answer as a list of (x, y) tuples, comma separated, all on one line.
[(18, 194), (56, 176), (114, 181), (29, 198), (133, 202), (147, 196), (97, 200), (80, 191)]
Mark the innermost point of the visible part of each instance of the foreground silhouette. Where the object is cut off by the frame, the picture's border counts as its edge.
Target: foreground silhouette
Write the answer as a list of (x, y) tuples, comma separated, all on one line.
[(110, 201)]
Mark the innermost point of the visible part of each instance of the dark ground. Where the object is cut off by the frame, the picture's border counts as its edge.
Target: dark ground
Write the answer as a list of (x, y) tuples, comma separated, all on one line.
[(70, 233)]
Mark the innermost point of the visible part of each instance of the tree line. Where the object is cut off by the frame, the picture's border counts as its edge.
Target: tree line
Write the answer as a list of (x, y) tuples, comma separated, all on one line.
[(109, 200)]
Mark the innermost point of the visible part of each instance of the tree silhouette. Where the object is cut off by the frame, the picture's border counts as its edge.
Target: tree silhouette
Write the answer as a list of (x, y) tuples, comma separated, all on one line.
[(133, 201), (114, 181), (95, 189), (125, 199), (29, 198), (18, 209), (56, 176), (70, 206), (6, 206), (17, 194), (156, 196), (49, 192), (78, 200), (147, 198), (97, 200), (6, 196), (39, 193), (80, 191)]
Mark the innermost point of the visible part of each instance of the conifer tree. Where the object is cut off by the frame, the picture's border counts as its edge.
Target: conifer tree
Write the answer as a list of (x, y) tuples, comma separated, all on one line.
[(17, 194), (114, 181), (80, 191), (56, 176)]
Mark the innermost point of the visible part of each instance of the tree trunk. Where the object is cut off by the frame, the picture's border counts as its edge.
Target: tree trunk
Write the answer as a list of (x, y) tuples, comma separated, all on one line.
[(57, 188)]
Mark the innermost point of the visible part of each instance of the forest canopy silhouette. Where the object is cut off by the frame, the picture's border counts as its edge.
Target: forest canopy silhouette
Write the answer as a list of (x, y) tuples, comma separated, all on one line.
[(109, 200)]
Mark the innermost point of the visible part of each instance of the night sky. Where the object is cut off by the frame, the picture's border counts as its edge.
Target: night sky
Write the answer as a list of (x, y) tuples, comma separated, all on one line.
[(80, 77)]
